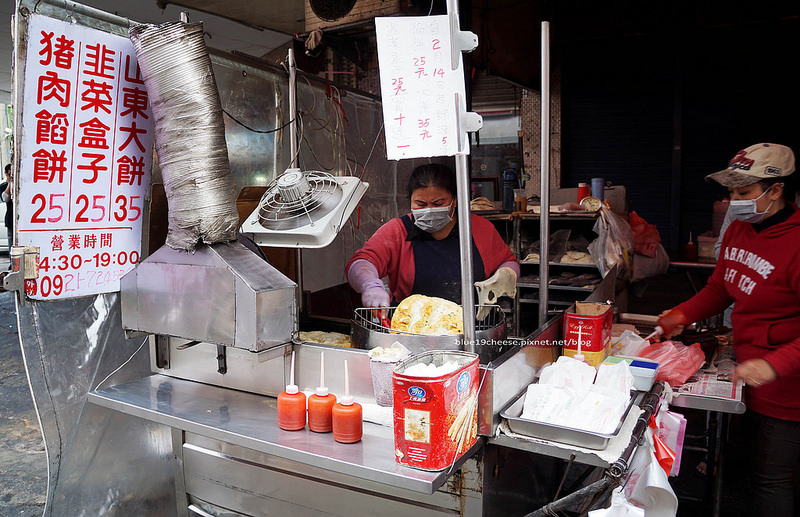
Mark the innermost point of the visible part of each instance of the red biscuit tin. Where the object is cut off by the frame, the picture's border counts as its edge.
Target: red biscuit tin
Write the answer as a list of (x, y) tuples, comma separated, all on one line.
[(589, 323), (435, 418)]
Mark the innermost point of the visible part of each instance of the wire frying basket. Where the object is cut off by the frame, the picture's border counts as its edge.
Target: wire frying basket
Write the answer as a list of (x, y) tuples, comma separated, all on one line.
[(370, 319), (369, 328)]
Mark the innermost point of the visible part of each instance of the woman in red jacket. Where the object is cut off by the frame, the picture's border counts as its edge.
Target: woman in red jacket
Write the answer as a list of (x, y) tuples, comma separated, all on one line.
[(759, 269), (420, 252)]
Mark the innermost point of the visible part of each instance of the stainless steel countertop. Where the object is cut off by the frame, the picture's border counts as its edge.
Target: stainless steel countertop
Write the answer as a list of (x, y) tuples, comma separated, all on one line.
[(251, 421), (709, 403)]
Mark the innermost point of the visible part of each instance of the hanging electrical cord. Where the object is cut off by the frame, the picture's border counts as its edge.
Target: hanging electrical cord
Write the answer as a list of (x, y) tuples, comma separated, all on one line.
[(364, 168), (265, 131)]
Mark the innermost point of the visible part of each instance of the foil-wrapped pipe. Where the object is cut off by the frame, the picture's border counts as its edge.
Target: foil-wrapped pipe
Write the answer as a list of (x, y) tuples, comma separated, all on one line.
[(189, 133)]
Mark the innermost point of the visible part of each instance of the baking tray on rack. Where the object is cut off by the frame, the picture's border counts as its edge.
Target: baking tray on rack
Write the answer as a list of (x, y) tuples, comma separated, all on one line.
[(555, 433)]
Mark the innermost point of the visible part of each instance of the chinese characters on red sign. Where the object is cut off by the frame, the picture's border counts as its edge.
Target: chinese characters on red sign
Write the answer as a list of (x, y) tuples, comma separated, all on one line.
[(87, 154)]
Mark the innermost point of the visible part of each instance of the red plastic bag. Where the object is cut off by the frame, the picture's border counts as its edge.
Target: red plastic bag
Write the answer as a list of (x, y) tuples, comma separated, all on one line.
[(676, 361), (645, 235), (664, 455)]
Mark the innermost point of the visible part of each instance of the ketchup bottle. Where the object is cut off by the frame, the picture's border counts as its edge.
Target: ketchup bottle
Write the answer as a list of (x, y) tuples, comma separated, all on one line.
[(690, 249), (292, 405), (320, 404), (347, 416)]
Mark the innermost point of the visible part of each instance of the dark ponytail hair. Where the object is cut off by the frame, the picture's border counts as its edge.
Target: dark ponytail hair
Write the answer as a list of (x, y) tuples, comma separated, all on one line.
[(432, 175)]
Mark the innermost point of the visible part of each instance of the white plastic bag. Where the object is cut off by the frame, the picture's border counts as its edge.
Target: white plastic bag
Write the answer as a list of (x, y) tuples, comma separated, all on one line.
[(630, 344), (614, 244), (620, 507), (648, 485)]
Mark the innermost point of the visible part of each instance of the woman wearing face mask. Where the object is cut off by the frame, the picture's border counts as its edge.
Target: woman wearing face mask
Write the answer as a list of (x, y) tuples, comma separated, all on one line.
[(759, 269), (420, 251)]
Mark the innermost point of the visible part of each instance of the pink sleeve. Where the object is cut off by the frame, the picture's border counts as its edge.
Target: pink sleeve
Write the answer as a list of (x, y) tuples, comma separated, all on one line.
[(384, 251), (381, 248)]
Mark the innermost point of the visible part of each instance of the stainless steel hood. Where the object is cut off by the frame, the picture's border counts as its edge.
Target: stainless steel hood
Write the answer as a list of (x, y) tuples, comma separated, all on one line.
[(223, 294)]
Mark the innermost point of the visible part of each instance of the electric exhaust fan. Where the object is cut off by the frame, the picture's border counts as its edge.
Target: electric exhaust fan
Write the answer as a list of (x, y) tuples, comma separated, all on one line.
[(304, 209)]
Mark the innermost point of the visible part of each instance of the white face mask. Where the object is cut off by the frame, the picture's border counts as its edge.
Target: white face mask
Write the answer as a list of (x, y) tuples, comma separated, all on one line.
[(432, 219), (746, 210)]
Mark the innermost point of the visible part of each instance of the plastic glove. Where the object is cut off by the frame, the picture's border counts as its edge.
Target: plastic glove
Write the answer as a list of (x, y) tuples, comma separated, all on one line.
[(502, 282), (672, 322), (363, 277)]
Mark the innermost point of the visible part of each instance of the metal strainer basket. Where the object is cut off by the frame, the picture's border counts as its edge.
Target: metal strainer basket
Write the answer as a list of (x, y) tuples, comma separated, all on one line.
[(367, 331)]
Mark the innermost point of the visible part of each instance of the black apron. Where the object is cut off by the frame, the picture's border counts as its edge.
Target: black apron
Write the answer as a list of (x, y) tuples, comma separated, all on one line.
[(437, 263)]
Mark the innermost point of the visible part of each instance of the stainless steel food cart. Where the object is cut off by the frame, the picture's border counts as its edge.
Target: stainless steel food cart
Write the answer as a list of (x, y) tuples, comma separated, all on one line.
[(190, 428)]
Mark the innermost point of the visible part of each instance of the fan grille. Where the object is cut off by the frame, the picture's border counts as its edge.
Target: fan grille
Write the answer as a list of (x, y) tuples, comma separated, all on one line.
[(277, 212)]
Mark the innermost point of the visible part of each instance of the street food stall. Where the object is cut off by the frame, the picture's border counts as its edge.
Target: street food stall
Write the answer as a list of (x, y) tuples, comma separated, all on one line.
[(183, 351)]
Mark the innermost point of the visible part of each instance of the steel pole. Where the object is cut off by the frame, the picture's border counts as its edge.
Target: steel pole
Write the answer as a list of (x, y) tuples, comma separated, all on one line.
[(465, 241), (544, 195)]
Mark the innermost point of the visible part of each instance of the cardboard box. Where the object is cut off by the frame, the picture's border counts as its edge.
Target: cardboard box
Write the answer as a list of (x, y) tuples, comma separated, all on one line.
[(705, 245), (588, 324)]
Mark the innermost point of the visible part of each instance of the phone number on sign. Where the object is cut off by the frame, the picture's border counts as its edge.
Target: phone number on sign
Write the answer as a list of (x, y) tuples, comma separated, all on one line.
[(57, 284)]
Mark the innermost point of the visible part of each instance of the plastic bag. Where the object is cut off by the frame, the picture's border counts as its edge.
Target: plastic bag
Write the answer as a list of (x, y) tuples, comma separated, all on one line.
[(614, 243), (648, 485), (645, 235), (662, 452), (620, 507), (671, 430), (676, 361), (629, 344), (646, 267), (557, 247)]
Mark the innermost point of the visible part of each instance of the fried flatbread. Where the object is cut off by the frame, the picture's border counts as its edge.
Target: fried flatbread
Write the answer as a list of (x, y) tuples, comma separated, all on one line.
[(428, 315)]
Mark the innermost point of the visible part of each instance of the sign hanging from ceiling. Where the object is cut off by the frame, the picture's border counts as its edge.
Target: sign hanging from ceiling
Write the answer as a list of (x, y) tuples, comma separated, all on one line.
[(86, 158), (422, 87)]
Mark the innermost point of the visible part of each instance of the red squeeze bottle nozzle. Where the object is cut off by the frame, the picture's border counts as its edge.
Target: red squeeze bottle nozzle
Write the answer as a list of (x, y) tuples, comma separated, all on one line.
[(347, 416), (320, 404), (292, 405)]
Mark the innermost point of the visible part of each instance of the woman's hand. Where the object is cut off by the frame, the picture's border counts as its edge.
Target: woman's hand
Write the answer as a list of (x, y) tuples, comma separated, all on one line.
[(672, 322), (363, 277), (755, 372), (375, 296)]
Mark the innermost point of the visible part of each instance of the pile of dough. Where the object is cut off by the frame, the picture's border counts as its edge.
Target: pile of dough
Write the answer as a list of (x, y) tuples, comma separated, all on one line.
[(576, 257), (428, 315), (325, 338), (481, 203)]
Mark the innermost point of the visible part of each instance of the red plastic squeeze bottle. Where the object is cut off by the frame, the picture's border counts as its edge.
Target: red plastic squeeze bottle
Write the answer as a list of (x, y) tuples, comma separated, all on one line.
[(347, 418), (583, 191), (292, 405), (690, 249), (320, 404)]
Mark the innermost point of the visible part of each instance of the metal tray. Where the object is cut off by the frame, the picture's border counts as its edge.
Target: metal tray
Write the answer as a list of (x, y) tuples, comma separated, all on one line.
[(566, 435)]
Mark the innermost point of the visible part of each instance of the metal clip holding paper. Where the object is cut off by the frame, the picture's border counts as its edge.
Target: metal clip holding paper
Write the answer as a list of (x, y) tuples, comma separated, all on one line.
[(467, 121), (461, 41)]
